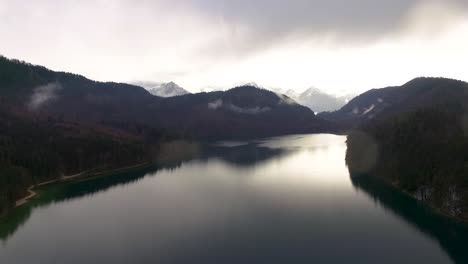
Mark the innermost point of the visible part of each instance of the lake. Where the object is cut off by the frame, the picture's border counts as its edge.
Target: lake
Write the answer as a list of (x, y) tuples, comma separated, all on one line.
[(281, 200)]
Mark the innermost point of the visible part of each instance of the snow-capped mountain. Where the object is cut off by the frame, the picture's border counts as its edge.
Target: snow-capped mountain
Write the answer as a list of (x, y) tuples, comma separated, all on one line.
[(292, 94), (320, 101), (316, 99), (169, 89)]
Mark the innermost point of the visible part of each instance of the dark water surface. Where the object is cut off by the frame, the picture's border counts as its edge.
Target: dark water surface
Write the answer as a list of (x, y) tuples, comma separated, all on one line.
[(282, 200)]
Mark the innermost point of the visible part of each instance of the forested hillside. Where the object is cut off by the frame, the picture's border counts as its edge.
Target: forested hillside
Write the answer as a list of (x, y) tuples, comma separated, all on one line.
[(242, 112), (415, 137), (424, 152), (34, 149), (379, 104), (40, 143)]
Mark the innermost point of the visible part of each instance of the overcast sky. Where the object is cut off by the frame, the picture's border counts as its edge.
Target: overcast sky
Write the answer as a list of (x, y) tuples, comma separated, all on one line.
[(336, 45)]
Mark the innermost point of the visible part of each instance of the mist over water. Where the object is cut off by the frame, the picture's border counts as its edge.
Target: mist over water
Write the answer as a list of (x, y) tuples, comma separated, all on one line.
[(280, 200)]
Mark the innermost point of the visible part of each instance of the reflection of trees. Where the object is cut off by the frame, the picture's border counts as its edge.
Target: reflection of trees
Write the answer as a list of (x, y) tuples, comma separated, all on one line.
[(64, 192), (452, 236), (177, 154), (243, 156)]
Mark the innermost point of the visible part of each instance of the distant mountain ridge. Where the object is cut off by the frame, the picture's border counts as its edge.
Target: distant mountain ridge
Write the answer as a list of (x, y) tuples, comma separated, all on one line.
[(320, 101), (169, 89), (316, 99), (240, 112)]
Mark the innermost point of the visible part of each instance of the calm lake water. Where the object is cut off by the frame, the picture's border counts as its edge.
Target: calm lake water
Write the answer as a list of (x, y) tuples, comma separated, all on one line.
[(281, 200)]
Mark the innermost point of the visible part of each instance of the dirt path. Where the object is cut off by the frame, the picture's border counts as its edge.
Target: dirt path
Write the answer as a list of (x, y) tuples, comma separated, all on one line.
[(32, 193), (72, 177), (29, 196)]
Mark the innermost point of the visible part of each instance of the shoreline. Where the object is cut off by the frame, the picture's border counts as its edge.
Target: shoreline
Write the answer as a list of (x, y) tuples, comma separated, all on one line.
[(434, 209), (32, 193), (76, 177)]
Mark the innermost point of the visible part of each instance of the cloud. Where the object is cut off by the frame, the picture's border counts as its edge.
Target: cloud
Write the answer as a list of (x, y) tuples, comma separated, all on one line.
[(252, 25), (198, 43), (216, 104), (214, 27), (234, 108), (43, 95), (249, 111)]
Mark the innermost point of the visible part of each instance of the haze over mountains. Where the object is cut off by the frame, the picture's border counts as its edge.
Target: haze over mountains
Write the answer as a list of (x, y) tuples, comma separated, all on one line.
[(320, 101), (315, 99)]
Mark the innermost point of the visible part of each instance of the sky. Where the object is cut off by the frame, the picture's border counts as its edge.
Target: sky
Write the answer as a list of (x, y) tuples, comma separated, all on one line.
[(340, 46)]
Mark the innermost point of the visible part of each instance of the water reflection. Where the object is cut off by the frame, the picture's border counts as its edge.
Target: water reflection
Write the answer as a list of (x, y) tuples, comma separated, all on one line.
[(452, 236), (175, 154), (64, 192), (281, 200), (246, 155)]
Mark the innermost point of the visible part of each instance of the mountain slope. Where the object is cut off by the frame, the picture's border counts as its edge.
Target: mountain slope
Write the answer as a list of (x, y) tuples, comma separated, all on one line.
[(316, 99), (386, 102), (39, 90), (415, 141), (169, 89), (423, 153), (241, 112), (320, 101), (54, 124)]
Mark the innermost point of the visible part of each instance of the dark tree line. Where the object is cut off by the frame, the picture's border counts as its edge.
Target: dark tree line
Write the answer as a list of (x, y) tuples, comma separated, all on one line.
[(34, 150), (424, 152)]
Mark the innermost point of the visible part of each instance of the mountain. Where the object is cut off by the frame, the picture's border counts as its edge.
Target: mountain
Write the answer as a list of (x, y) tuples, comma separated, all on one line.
[(292, 94), (320, 101), (253, 84), (316, 99), (413, 137), (244, 111), (424, 153), (169, 89), (346, 97), (54, 124), (386, 102), (241, 112)]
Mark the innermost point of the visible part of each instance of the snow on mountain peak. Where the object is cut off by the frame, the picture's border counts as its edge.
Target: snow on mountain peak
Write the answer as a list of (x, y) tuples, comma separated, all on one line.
[(316, 99), (253, 84), (169, 89), (291, 93)]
